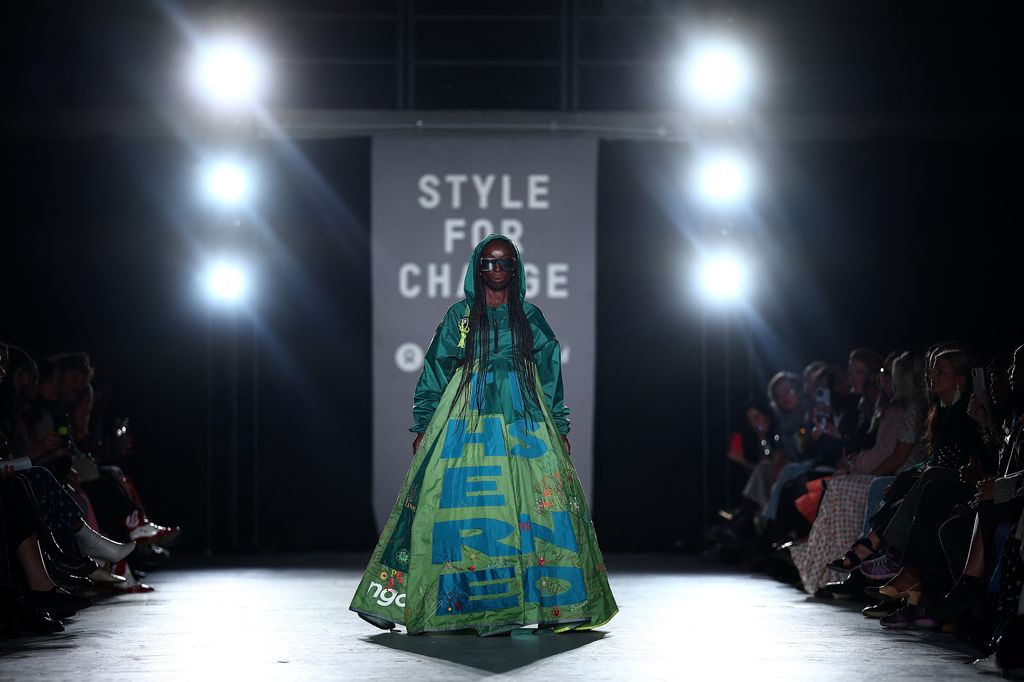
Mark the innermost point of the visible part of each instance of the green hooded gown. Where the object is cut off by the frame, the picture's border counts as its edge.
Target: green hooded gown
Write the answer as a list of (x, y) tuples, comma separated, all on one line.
[(491, 530)]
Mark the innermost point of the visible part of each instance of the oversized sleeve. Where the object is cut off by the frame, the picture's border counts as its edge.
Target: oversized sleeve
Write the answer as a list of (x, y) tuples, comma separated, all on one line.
[(548, 356), (439, 365)]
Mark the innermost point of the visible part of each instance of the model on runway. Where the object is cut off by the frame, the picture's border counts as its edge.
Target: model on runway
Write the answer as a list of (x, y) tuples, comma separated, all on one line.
[(491, 530)]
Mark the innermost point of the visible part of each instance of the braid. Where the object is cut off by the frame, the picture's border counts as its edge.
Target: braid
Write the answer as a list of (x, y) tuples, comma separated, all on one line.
[(478, 340), (479, 343), (522, 351)]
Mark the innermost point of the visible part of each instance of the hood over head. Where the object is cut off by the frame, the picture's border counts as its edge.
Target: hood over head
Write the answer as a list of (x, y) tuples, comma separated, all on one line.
[(470, 284)]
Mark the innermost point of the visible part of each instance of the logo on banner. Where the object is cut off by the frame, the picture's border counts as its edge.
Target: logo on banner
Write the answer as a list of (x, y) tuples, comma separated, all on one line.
[(409, 357)]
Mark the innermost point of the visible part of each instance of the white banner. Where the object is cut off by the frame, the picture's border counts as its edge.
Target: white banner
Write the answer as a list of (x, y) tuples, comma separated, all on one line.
[(434, 198)]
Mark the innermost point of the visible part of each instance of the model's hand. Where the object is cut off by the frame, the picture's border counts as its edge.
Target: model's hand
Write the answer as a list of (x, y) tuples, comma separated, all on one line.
[(416, 442), (565, 442)]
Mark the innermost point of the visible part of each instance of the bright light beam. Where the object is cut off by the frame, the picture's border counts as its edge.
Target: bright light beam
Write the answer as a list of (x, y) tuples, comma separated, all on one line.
[(718, 75), (225, 282), (722, 277), (722, 180), (226, 182), (229, 73)]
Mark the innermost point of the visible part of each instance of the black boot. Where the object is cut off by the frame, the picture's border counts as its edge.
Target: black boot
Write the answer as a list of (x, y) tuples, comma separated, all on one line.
[(16, 619), (965, 600)]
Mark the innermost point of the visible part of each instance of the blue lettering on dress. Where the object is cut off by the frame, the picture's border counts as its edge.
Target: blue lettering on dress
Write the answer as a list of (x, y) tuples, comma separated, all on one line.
[(529, 445), (560, 535), (457, 438), (487, 537), (457, 486), (517, 393), (460, 592)]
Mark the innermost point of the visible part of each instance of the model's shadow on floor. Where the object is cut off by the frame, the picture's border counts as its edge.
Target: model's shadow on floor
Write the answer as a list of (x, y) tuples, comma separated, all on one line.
[(29, 644), (499, 654)]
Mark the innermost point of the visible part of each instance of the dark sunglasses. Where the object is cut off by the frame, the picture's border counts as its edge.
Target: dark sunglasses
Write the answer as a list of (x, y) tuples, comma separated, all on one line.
[(489, 264)]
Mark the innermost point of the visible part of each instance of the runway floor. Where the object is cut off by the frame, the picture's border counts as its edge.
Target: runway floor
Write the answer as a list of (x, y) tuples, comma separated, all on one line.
[(287, 618)]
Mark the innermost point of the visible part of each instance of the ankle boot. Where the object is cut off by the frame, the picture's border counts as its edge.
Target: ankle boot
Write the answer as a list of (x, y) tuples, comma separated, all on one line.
[(95, 545), (967, 598)]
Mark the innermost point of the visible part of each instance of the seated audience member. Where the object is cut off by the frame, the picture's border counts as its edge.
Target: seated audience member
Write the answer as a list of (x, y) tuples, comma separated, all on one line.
[(956, 457), (48, 535), (58, 513), (810, 380), (993, 559), (898, 423), (115, 498), (761, 427), (895, 478), (862, 368), (828, 437), (790, 409)]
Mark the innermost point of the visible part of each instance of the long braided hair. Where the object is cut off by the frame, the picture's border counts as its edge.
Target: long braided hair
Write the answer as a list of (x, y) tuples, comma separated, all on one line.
[(479, 344)]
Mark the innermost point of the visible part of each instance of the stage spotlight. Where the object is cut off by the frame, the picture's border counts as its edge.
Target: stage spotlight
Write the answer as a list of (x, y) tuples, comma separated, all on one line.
[(718, 74), (226, 182), (225, 282), (722, 277), (229, 73), (722, 179)]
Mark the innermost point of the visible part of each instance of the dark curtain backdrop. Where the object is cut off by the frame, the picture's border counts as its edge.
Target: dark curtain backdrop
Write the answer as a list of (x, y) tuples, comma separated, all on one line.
[(871, 242)]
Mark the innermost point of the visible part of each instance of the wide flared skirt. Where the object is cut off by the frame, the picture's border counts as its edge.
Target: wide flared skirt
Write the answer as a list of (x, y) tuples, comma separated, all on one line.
[(491, 530)]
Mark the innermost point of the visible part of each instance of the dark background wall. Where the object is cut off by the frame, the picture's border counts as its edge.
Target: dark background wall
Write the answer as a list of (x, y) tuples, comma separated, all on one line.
[(894, 237)]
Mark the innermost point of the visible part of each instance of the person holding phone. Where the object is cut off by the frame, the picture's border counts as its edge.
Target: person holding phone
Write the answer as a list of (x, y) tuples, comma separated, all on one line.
[(491, 530)]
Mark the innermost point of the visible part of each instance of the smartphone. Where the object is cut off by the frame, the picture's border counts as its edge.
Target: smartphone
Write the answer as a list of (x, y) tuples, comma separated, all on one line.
[(978, 381), (822, 407)]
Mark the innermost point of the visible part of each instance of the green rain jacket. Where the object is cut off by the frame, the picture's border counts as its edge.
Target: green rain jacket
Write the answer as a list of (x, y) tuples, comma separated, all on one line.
[(443, 355)]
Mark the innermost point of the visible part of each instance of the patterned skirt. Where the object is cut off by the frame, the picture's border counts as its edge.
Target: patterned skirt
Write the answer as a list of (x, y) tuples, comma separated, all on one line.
[(839, 524)]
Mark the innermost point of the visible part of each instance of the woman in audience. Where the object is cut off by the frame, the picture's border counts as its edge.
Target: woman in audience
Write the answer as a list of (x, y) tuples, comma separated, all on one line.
[(995, 530), (810, 380), (762, 432), (820, 453), (956, 453), (790, 410), (56, 511), (862, 475), (894, 478), (898, 423)]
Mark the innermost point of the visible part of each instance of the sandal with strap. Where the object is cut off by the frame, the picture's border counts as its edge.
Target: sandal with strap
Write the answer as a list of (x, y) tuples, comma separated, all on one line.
[(851, 560)]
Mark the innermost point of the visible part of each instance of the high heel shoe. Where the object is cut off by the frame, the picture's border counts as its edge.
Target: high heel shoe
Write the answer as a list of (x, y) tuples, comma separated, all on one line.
[(889, 593)]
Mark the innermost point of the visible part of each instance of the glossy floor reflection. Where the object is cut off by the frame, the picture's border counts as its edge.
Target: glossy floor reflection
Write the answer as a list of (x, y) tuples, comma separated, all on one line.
[(287, 619)]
